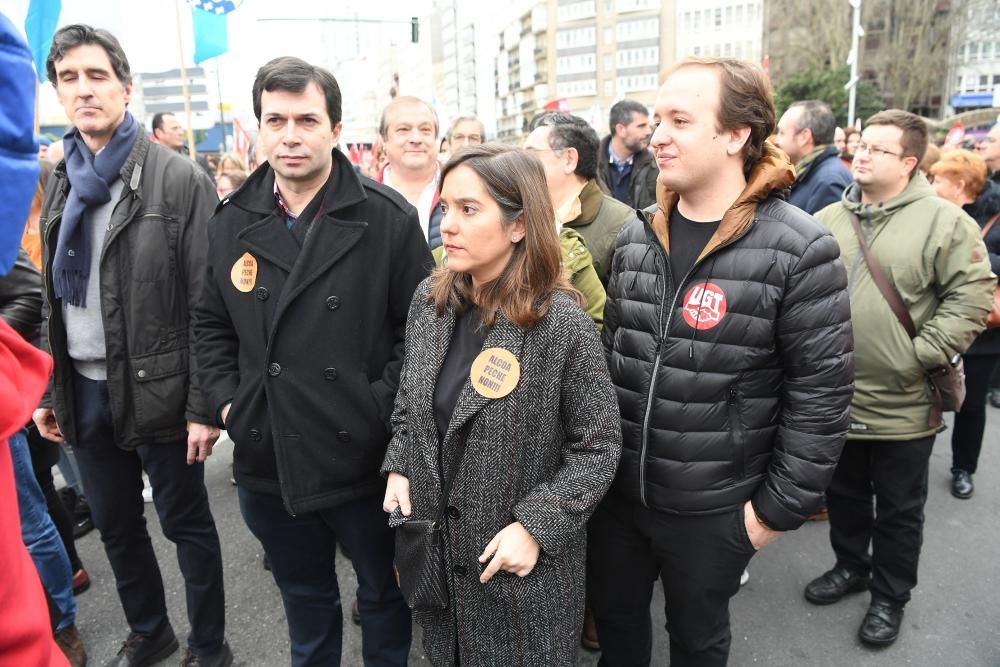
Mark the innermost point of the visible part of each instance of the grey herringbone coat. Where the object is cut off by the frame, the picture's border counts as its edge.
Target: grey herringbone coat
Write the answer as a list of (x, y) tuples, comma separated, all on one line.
[(543, 455)]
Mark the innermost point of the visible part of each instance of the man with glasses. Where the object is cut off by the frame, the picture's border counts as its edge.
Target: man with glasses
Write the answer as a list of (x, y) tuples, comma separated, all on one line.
[(568, 150), (465, 131), (931, 251)]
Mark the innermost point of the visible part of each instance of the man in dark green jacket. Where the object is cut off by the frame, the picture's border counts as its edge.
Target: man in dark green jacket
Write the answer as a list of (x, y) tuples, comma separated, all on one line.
[(124, 247), (931, 250)]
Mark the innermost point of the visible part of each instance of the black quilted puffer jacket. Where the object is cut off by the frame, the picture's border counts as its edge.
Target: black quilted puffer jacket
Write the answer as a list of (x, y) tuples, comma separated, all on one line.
[(734, 381)]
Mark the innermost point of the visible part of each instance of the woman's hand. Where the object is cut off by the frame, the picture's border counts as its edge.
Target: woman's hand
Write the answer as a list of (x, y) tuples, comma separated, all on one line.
[(397, 494), (513, 550)]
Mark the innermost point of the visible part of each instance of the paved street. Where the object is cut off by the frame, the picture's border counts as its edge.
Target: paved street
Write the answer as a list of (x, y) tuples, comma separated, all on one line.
[(951, 622)]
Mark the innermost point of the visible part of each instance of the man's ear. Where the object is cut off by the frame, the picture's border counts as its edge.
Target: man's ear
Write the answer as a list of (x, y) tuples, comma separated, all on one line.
[(572, 157), (737, 139)]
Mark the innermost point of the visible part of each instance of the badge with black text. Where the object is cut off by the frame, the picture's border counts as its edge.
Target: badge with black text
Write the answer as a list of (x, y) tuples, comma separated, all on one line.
[(495, 373), (244, 273)]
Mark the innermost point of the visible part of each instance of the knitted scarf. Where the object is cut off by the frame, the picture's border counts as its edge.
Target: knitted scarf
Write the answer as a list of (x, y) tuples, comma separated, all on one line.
[(90, 178)]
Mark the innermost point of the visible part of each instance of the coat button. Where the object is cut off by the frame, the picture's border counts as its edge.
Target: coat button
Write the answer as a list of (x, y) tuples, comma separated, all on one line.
[(254, 435), (453, 512), (330, 374), (459, 570), (343, 436), (262, 293), (274, 370), (333, 302), (141, 374)]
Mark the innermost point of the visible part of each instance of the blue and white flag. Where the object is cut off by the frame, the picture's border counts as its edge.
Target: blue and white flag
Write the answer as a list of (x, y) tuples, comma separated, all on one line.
[(211, 37)]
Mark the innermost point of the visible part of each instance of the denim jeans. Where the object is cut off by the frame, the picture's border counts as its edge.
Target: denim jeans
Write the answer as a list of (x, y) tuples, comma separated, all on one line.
[(302, 551), (40, 535)]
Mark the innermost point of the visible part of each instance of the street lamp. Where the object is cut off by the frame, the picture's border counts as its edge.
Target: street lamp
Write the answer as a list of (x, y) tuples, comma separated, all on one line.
[(857, 32)]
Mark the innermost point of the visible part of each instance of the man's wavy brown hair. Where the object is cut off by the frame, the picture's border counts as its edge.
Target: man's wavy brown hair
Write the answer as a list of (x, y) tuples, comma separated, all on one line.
[(523, 291)]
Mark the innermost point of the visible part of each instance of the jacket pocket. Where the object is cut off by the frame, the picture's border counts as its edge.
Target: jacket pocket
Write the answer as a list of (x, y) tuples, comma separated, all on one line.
[(737, 433), (160, 389)]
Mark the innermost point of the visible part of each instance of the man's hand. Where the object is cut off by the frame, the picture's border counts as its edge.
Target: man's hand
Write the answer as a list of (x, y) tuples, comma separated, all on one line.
[(513, 550), (760, 535), (201, 439), (48, 427), (397, 493)]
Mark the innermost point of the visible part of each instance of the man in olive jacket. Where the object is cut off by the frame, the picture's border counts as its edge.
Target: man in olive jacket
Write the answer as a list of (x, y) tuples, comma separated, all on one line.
[(932, 253), (300, 340), (124, 247)]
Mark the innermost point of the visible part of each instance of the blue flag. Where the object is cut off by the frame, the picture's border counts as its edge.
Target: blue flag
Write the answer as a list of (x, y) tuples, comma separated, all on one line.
[(39, 26), (210, 36)]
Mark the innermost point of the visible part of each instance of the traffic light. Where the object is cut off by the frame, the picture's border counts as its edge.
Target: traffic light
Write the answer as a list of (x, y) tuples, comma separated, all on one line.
[(414, 30)]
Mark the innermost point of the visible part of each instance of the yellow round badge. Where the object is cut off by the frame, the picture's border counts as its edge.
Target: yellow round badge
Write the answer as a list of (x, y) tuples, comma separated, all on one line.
[(495, 373), (244, 273)]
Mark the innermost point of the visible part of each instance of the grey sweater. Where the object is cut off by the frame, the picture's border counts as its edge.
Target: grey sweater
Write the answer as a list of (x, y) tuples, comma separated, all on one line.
[(85, 326)]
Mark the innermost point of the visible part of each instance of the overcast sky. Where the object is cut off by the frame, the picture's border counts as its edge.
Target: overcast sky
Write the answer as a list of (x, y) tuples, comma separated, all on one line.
[(148, 32)]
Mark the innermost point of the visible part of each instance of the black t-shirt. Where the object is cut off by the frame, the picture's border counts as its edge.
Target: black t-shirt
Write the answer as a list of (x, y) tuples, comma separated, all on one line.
[(687, 239), (466, 343)]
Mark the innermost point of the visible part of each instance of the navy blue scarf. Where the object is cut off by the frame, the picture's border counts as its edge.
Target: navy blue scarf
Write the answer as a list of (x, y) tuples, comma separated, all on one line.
[(90, 179)]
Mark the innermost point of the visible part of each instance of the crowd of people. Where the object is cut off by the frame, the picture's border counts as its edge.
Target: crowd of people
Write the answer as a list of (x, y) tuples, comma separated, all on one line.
[(516, 385)]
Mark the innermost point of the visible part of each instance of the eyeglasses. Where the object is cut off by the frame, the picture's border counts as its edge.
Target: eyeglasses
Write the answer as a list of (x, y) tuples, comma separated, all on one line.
[(874, 151)]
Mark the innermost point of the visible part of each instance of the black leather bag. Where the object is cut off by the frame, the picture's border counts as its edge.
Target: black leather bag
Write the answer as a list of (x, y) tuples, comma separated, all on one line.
[(419, 562)]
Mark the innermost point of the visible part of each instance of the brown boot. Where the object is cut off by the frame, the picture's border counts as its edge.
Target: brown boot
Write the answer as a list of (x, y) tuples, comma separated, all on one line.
[(69, 642), (590, 639)]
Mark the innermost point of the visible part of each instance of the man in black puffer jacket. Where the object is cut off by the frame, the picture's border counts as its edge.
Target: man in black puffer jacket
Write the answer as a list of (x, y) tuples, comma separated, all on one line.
[(728, 336)]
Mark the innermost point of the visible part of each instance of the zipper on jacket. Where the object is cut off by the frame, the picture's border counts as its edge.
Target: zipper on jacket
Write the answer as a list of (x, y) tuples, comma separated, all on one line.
[(664, 333), (738, 433)]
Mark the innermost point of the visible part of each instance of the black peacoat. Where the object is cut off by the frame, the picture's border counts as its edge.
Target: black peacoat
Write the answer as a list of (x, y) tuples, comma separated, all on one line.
[(543, 455), (307, 342)]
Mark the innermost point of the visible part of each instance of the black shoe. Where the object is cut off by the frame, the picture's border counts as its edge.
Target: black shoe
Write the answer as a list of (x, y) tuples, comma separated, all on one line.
[(82, 523), (221, 658), (995, 398), (961, 484), (139, 651), (835, 584), (881, 624)]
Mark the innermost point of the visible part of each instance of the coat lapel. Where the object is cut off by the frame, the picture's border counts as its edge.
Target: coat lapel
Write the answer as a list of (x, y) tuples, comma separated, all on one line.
[(269, 238), (504, 334)]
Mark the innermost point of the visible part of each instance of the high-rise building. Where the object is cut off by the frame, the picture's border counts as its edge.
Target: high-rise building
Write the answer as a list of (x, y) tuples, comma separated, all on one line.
[(582, 55), (974, 80), (720, 28)]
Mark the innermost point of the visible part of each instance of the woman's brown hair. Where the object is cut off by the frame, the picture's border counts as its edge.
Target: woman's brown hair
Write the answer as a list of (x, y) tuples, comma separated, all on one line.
[(523, 291)]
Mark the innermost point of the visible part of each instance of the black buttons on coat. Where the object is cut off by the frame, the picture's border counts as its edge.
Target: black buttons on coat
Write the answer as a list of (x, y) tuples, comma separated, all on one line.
[(274, 370), (255, 435), (330, 374), (453, 512), (333, 302), (262, 293), (459, 570), (343, 436)]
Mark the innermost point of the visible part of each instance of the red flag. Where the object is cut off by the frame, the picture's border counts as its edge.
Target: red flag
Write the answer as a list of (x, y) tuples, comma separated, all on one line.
[(241, 140), (355, 154), (561, 105)]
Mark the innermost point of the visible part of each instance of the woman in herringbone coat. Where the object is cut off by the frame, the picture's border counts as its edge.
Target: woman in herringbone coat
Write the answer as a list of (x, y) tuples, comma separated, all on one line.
[(529, 455)]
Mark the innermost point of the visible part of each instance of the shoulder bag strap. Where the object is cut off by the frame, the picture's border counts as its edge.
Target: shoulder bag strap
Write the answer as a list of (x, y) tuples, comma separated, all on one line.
[(989, 223), (885, 286)]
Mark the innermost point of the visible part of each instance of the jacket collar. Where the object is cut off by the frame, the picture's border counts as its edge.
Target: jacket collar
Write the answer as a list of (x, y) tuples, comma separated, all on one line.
[(918, 188), (772, 172), (344, 189), (591, 199)]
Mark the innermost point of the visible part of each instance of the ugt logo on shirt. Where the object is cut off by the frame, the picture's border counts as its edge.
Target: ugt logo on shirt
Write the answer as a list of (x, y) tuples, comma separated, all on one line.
[(704, 306)]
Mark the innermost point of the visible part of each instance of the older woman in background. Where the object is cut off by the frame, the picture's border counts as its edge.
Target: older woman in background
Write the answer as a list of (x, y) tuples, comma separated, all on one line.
[(960, 177)]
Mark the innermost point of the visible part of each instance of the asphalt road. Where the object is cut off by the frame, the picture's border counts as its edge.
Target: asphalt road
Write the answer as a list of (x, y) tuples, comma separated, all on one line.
[(952, 620)]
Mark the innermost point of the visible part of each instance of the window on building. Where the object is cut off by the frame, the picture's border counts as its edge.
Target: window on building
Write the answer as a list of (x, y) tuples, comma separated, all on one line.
[(718, 17), (984, 82)]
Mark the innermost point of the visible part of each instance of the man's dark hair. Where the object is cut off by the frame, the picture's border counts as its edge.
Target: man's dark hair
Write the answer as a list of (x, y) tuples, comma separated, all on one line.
[(158, 119), (69, 37), (818, 118), (914, 139), (623, 112), (295, 75), (569, 131)]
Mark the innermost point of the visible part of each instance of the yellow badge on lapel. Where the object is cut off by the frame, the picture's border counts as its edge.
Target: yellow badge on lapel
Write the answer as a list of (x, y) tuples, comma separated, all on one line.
[(244, 273), (495, 373)]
